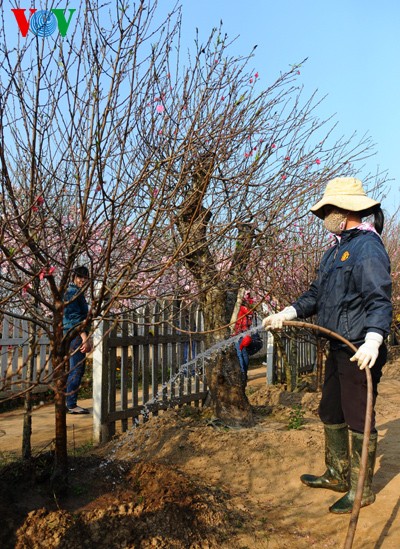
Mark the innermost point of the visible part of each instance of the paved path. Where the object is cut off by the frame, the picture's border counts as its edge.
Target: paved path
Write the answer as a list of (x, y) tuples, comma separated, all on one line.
[(79, 427)]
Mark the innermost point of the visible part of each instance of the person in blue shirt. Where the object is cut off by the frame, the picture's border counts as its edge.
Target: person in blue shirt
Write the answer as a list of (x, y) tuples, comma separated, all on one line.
[(75, 315)]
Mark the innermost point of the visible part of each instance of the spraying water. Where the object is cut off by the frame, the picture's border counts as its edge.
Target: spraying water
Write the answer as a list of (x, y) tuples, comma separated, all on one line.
[(221, 345), (193, 365)]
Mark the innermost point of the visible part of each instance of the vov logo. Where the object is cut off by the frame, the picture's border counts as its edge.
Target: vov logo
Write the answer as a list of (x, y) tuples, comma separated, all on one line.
[(43, 22)]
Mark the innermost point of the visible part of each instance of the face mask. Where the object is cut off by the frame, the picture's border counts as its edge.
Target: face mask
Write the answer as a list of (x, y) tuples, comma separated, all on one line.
[(335, 221)]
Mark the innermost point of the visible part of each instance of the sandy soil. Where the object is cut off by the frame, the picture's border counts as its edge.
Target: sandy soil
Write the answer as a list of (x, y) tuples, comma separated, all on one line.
[(183, 480)]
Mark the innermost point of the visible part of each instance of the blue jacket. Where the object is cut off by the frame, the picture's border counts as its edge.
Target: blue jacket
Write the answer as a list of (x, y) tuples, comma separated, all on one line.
[(76, 308), (352, 292)]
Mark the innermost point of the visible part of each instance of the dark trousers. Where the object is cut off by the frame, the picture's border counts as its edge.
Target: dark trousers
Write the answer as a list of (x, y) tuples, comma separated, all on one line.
[(76, 371), (344, 394)]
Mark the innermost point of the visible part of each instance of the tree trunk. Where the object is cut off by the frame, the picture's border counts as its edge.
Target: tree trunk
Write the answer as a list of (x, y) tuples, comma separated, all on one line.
[(60, 473), (60, 365), (227, 395), (27, 427), (215, 307), (228, 398)]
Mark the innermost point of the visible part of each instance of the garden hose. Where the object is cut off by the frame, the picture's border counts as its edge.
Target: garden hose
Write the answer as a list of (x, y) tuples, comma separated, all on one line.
[(367, 428)]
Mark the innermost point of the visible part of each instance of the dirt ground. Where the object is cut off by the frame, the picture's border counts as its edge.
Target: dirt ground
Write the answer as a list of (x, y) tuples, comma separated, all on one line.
[(184, 481)]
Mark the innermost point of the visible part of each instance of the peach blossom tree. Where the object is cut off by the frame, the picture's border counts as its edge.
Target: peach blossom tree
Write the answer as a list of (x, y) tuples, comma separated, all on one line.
[(162, 172)]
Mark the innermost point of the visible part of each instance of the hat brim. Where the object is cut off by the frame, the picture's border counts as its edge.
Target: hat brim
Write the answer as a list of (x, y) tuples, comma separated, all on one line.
[(351, 203)]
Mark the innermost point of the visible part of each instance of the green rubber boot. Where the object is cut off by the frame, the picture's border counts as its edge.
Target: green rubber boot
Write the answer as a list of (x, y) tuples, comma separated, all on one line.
[(345, 504), (336, 460)]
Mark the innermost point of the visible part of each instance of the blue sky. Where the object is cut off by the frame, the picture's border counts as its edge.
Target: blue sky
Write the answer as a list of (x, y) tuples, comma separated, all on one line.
[(353, 50)]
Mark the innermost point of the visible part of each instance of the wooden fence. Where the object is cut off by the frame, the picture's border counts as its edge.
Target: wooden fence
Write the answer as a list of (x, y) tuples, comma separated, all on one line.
[(138, 363), (301, 350)]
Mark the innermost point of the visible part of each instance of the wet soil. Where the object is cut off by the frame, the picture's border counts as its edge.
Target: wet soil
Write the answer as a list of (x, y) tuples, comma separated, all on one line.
[(183, 480)]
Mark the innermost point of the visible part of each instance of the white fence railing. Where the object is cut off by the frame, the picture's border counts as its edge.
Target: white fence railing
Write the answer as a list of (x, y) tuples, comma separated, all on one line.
[(20, 346)]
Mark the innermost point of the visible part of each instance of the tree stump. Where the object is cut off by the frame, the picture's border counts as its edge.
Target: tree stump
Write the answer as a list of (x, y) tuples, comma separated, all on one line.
[(227, 392)]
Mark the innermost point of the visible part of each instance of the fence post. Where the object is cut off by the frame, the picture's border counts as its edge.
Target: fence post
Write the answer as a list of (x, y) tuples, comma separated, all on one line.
[(270, 358), (100, 384)]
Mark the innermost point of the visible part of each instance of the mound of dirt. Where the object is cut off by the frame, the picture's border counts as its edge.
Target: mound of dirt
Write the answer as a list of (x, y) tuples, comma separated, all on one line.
[(150, 506), (185, 480)]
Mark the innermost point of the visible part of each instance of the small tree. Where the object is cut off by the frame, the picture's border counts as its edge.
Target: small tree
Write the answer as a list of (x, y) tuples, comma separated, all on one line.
[(391, 236)]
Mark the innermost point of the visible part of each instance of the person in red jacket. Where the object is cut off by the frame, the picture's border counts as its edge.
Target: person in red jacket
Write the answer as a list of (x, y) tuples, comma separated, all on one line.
[(243, 323)]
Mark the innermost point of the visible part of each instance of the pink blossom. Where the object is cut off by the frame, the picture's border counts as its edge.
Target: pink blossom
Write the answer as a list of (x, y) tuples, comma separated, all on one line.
[(223, 98), (287, 158), (251, 80), (318, 161), (160, 108), (273, 146), (256, 75), (284, 177), (46, 272)]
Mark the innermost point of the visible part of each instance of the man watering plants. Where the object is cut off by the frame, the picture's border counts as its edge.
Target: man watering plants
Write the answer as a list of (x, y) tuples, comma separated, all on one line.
[(352, 297)]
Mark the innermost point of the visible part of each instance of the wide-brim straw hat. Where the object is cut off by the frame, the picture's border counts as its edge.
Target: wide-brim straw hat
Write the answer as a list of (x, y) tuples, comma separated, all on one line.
[(346, 193)]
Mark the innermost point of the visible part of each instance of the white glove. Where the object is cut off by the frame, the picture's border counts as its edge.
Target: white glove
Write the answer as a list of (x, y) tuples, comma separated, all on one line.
[(369, 350), (276, 321)]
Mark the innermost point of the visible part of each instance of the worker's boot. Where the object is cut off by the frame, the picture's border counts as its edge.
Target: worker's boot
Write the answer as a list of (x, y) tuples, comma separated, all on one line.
[(336, 460), (345, 504)]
